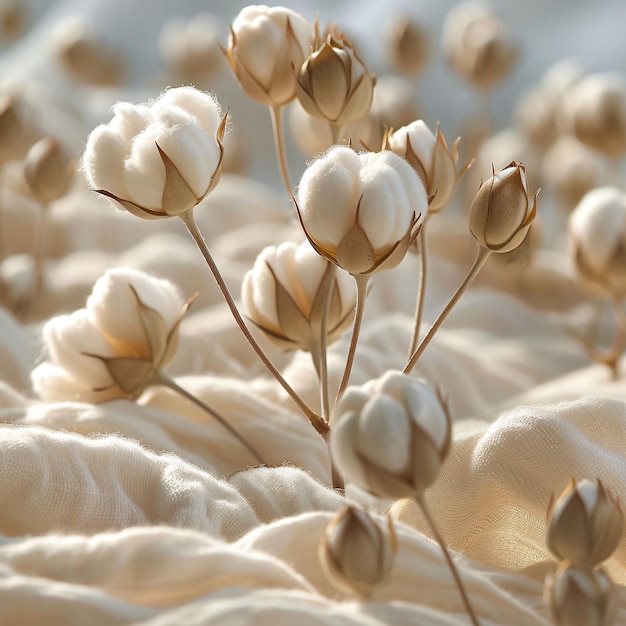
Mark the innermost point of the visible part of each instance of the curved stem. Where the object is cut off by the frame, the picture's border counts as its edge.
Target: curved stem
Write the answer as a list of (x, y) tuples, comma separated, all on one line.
[(457, 579), (276, 113), (481, 258), (336, 132), (160, 378), (337, 478), (361, 292), (316, 421), (421, 290)]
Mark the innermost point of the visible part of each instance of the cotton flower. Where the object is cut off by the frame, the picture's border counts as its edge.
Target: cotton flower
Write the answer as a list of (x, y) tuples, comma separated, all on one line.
[(585, 523), (333, 83), (431, 158), (391, 436), (361, 211), (158, 159), (501, 212), (283, 295), (597, 232), (357, 552), (577, 596), (127, 331), (265, 44)]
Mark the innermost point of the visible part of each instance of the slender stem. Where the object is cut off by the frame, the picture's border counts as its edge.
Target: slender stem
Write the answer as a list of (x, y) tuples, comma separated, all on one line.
[(276, 113), (336, 133), (457, 579), (421, 289), (41, 238), (361, 293), (336, 477), (481, 258), (160, 378), (316, 421)]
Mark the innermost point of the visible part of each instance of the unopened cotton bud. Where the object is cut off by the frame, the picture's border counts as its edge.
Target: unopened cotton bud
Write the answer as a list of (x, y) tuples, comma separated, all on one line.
[(12, 127), (477, 44), (502, 211), (361, 211), (283, 294), (391, 436), (594, 110), (430, 157), (48, 170), (158, 159), (407, 45), (191, 46), (597, 234), (333, 83), (265, 45), (585, 523), (579, 596), (357, 552), (13, 18)]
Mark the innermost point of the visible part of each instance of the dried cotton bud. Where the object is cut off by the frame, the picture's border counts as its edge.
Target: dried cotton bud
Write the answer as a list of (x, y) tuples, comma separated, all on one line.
[(577, 596), (333, 83), (265, 45), (585, 523), (48, 170), (594, 110), (283, 294), (127, 331), (407, 45), (597, 233), (477, 44), (431, 158), (361, 211), (357, 552), (159, 159), (391, 436), (502, 210), (13, 18), (191, 46)]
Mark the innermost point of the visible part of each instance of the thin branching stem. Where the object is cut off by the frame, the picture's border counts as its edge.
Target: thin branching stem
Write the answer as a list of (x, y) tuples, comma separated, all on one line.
[(421, 289), (481, 258), (160, 378), (316, 421), (361, 293), (276, 113), (439, 538)]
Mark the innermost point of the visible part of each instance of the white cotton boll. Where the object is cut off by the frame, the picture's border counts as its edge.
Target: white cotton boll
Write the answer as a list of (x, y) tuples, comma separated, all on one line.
[(102, 161), (115, 311), (129, 119), (202, 107), (69, 339)]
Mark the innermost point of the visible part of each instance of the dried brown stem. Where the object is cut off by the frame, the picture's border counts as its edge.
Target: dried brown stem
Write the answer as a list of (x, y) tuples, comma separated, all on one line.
[(421, 289), (276, 114)]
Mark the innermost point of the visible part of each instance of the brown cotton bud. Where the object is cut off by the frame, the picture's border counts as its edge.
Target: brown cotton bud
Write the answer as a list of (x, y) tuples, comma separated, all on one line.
[(357, 552), (48, 170), (333, 83), (407, 45), (502, 210), (585, 523), (11, 126), (477, 44), (578, 596), (13, 18)]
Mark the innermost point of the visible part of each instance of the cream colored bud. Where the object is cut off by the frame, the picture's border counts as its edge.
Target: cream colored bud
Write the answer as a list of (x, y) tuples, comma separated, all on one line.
[(158, 159), (48, 170), (585, 523), (502, 210), (571, 169), (597, 234), (477, 44), (357, 552), (430, 157), (407, 45), (361, 211), (127, 331), (333, 83), (265, 45), (594, 110), (391, 436), (284, 295), (190, 47), (578, 596), (83, 55)]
